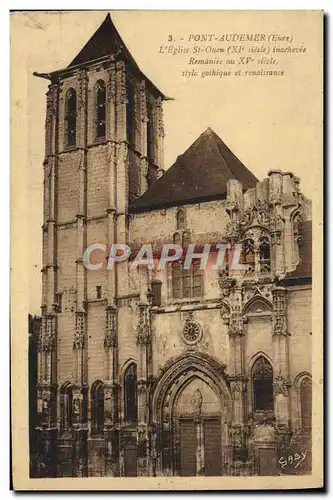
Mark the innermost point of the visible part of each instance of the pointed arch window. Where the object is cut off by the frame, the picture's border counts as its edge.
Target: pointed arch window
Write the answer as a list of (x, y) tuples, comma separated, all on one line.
[(100, 109), (71, 117), (177, 239), (264, 255), (97, 408), (130, 394), (262, 385), (180, 219), (66, 407), (306, 403), (296, 221), (186, 240), (248, 255)]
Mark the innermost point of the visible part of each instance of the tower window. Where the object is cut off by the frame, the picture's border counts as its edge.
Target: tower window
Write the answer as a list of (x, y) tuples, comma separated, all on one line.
[(262, 384), (100, 109), (71, 117), (130, 396), (99, 292)]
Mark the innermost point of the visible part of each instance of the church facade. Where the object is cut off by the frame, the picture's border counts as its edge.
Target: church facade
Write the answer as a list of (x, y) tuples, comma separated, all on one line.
[(146, 371)]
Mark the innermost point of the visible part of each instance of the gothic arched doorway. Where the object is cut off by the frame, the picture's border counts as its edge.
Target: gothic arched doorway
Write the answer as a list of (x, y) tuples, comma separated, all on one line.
[(192, 409)]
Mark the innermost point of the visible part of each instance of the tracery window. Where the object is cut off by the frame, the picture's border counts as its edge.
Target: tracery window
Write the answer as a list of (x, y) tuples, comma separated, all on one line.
[(187, 283), (70, 117), (256, 255), (100, 109), (130, 394), (262, 385), (248, 255), (264, 255)]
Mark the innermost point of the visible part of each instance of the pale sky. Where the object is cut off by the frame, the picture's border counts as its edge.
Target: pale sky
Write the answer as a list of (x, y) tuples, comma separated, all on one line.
[(268, 122)]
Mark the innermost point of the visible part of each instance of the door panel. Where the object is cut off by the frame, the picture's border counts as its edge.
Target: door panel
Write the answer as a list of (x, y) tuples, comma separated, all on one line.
[(267, 462), (130, 461), (212, 444), (188, 444)]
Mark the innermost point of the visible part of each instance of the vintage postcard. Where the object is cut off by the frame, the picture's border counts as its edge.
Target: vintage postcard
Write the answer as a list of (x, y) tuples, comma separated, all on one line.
[(167, 173)]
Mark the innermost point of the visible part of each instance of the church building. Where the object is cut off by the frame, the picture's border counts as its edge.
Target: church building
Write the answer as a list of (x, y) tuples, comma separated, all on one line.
[(173, 371)]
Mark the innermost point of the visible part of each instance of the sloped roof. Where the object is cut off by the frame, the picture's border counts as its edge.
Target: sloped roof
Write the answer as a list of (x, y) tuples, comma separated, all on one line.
[(199, 174), (106, 41), (304, 267)]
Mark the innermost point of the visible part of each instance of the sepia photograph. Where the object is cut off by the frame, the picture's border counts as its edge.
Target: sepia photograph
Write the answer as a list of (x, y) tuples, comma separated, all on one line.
[(174, 194)]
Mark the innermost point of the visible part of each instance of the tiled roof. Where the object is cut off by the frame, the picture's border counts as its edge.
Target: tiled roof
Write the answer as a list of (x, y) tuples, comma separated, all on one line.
[(199, 174), (107, 41)]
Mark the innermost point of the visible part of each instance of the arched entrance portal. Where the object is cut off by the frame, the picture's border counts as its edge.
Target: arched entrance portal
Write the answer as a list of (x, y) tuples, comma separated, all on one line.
[(192, 412)]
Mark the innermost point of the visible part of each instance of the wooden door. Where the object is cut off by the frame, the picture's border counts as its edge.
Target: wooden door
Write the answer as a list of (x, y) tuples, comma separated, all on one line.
[(267, 462), (130, 461), (212, 447), (188, 445)]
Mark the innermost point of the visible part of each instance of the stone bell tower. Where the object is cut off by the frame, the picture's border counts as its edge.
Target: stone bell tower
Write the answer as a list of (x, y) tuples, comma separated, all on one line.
[(103, 148)]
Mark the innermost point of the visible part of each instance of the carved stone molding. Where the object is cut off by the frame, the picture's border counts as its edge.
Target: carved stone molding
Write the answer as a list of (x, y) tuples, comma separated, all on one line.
[(51, 104), (236, 323), (226, 283), (281, 385), (143, 329), (79, 341), (143, 101), (232, 230), (121, 71), (258, 215), (196, 403), (225, 313), (111, 83), (49, 334), (279, 312), (160, 123), (110, 338), (144, 167), (82, 91), (236, 386), (192, 332)]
